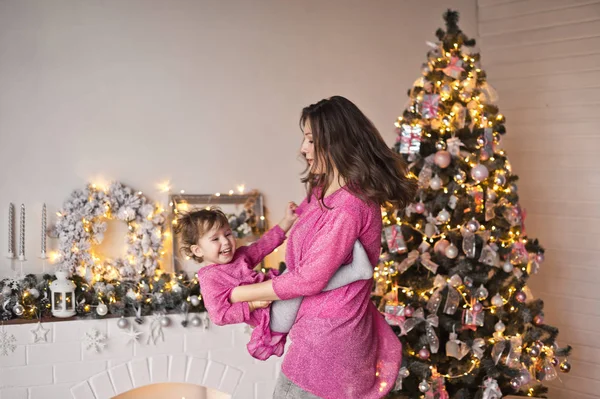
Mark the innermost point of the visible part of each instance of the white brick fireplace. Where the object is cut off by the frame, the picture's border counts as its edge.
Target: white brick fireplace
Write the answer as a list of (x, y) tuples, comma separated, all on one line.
[(215, 361)]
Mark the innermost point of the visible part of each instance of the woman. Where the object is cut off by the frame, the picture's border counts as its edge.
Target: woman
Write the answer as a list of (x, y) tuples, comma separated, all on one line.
[(341, 348)]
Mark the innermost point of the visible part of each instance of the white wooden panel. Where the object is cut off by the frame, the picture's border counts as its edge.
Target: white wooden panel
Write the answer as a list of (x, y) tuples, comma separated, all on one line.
[(543, 57), (519, 99), (543, 35), (554, 82), (545, 51), (509, 10), (535, 21), (587, 62)]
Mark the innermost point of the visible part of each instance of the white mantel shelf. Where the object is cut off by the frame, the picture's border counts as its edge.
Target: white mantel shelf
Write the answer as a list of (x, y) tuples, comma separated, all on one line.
[(63, 368)]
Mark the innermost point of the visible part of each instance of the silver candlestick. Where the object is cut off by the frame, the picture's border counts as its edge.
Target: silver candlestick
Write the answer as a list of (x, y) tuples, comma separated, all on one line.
[(43, 253), (22, 234), (11, 233)]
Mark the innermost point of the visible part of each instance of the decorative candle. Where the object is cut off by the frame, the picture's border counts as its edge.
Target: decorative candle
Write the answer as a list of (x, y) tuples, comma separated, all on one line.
[(22, 234), (43, 254), (11, 233)]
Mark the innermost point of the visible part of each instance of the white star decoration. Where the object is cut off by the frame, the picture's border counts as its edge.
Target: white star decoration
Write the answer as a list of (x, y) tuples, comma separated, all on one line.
[(132, 334), (40, 333)]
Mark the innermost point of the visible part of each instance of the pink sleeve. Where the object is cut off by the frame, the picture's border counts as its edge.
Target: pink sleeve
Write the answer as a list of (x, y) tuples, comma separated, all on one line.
[(331, 245), (216, 300), (266, 244)]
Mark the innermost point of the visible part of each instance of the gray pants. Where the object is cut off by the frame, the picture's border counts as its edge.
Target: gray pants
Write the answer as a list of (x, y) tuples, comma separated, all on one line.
[(286, 389)]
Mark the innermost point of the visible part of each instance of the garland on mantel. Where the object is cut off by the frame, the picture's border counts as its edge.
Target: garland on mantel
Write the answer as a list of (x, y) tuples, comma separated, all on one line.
[(29, 298)]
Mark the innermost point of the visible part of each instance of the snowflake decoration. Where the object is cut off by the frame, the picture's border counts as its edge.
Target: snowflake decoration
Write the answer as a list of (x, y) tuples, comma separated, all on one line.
[(13, 283), (132, 334), (94, 340), (7, 343)]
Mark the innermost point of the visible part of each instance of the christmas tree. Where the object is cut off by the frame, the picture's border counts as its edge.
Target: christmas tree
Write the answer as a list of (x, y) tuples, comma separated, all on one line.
[(453, 273)]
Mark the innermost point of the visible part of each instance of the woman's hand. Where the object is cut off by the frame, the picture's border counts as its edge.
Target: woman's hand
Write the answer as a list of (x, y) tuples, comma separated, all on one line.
[(258, 305)]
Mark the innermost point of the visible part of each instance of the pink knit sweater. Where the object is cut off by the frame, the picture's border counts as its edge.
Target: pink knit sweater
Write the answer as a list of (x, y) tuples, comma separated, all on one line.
[(341, 345)]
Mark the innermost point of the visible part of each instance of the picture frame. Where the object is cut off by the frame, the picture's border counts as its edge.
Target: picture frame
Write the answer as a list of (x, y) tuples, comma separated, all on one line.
[(246, 214)]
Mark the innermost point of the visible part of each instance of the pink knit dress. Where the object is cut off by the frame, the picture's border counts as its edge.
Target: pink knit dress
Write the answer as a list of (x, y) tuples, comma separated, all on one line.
[(217, 282), (341, 346)]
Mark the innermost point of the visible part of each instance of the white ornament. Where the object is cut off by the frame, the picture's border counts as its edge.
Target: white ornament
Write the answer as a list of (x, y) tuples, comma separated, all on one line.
[(156, 330), (94, 340), (194, 300), (40, 333), (132, 335), (102, 309), (507, 267), (7, 343)]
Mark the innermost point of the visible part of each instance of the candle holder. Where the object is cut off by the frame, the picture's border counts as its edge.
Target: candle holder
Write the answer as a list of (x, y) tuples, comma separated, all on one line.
[(63, 296)]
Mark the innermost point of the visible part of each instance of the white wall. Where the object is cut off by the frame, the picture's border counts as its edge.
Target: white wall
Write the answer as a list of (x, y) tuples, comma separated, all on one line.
[(205, 94), (543, 57)]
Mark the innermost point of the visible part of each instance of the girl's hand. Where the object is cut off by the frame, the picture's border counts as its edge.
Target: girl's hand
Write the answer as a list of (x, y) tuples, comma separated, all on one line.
[(290, 216), (258, 305)]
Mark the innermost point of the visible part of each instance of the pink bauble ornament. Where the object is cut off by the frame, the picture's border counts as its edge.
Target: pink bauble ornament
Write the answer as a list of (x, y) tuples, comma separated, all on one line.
[(478, 307), (408, 311), (424, 354), (479, 172), (442, 159), (539, 257), (538, 319), (520, 296), (419, 207), (440, 246)]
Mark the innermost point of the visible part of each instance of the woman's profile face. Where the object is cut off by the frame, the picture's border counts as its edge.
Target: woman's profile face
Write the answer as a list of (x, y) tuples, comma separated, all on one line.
[(308, 147)]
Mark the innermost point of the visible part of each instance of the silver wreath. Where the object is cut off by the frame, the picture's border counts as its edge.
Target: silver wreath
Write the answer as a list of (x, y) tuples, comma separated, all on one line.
[(82, 223)]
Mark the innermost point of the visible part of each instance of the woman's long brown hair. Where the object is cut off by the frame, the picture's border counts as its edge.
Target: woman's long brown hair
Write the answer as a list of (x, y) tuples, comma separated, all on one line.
[(346, 140)]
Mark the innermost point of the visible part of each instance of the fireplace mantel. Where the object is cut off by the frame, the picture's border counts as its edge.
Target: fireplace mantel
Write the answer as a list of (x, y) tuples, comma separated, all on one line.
[(63, 367)]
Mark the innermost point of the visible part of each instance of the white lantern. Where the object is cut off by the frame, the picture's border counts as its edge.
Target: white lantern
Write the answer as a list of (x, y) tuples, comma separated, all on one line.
[(63, 296)]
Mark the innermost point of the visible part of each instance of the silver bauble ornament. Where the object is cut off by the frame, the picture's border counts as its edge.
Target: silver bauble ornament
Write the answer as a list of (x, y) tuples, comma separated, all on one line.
[(473, 225), (455, 280), (497, 300), (500, 179), (101, 309), (34, 292), (443, 216), (534, 351), (440, 145), (479, 172), (508, 267), (165, 321), (176, 288), (491, 195), (460, 177), (123, 323), (481, 141), (423, 386), (194, 300), (435, 183), (482, 293), (18, 309), (500, 327), (451, 251), (196, 321)]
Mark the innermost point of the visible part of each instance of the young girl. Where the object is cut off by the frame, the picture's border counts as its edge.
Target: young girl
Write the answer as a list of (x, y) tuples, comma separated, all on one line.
[(206, 236), (342, 346)]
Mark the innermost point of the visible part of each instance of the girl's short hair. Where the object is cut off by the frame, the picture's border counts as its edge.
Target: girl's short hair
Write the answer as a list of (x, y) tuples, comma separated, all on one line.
[(192, 225), (346, 140)]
